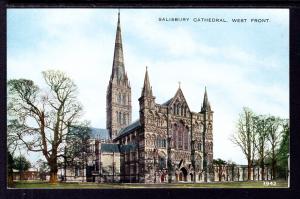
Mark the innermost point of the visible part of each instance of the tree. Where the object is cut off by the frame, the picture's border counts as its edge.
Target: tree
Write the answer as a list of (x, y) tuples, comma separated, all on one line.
[(244, 137), (262, 125), (12, 144), (10, 167), (77, 145), (283, 151), (43, 168), (221, 167), (21, 164), (77, 141), (231, 165), (274, 138), (40, 117)]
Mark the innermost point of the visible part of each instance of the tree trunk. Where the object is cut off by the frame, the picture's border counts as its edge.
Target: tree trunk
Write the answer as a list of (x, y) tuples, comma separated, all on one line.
[(232, 173), (249, 171), (273, 169), (53, 171), (262, 165), (253, 172), (10, 180), (220, 175), (53, 176)]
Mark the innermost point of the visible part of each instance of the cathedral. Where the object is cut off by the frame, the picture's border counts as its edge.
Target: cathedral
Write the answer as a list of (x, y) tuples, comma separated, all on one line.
[(168, 143)]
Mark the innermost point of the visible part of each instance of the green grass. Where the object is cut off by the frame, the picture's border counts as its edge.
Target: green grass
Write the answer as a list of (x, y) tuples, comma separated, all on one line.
[(86, 185)]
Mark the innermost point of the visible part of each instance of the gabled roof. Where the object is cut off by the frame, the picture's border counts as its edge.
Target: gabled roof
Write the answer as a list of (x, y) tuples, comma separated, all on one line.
[(131, 127), (167, 102), (173, 99), (97, 133)]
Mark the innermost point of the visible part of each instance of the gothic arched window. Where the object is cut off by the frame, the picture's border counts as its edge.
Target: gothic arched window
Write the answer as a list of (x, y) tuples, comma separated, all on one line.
[(119, 98), (186, 138), (175, 136), (117, 115), (174, 109), (162, 162), (124, 118), (180, 136), (124, 99), (120, 117), (200, 146)]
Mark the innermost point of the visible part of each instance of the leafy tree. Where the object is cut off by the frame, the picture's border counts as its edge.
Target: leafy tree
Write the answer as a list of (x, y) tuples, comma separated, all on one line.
[(77, 145), (244, 137), (21, 164), (274, 138), (77, 141), (283, 151), (40, 117), (230, 166), (10, 166), (221, 167), (262, 125)]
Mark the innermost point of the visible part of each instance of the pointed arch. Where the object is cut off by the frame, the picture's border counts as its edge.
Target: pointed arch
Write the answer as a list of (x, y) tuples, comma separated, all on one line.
[(119, 98), (124, 99), (120, 117), (124, 118)]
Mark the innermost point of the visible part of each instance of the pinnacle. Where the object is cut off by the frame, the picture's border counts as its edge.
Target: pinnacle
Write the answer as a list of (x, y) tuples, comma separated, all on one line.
[(147, 89), (206, 104)]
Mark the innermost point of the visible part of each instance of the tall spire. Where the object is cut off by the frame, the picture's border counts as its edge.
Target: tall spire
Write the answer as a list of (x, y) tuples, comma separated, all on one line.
[(147, 89), (118, 70), (205, 105)]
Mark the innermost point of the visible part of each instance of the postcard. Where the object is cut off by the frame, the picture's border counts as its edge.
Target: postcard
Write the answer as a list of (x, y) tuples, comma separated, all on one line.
[(147, 98)]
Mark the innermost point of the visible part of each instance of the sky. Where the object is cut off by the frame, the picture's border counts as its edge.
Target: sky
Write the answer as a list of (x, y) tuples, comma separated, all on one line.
[(241, 64)]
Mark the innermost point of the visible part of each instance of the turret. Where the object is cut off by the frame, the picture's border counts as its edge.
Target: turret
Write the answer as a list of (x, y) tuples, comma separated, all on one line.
[(147, 100)]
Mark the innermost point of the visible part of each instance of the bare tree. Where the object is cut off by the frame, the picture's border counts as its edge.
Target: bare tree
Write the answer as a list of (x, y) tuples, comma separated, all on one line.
[(40, 117), (244, 137)]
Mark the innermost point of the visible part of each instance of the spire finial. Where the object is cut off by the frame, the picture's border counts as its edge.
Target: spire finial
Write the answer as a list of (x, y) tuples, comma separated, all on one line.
[(179, 83)]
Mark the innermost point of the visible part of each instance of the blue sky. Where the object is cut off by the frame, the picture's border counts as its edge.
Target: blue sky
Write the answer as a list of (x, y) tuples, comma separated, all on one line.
[(241, 64)]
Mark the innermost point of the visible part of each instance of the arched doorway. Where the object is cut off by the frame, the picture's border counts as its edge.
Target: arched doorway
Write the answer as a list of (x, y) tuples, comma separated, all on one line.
[(183, 174)]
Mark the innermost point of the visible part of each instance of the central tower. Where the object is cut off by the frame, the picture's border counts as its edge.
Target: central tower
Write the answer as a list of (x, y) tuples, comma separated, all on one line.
[(118, 94)]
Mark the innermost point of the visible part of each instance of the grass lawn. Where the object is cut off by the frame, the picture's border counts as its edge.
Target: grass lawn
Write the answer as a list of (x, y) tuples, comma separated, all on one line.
[(86, 185)]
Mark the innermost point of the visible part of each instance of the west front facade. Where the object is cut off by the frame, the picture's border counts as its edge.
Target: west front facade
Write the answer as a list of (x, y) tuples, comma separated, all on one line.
[(167, 143)]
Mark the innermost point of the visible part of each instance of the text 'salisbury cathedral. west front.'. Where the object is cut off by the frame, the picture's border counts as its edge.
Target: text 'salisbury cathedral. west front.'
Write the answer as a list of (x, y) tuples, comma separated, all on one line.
[(167, 143)]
